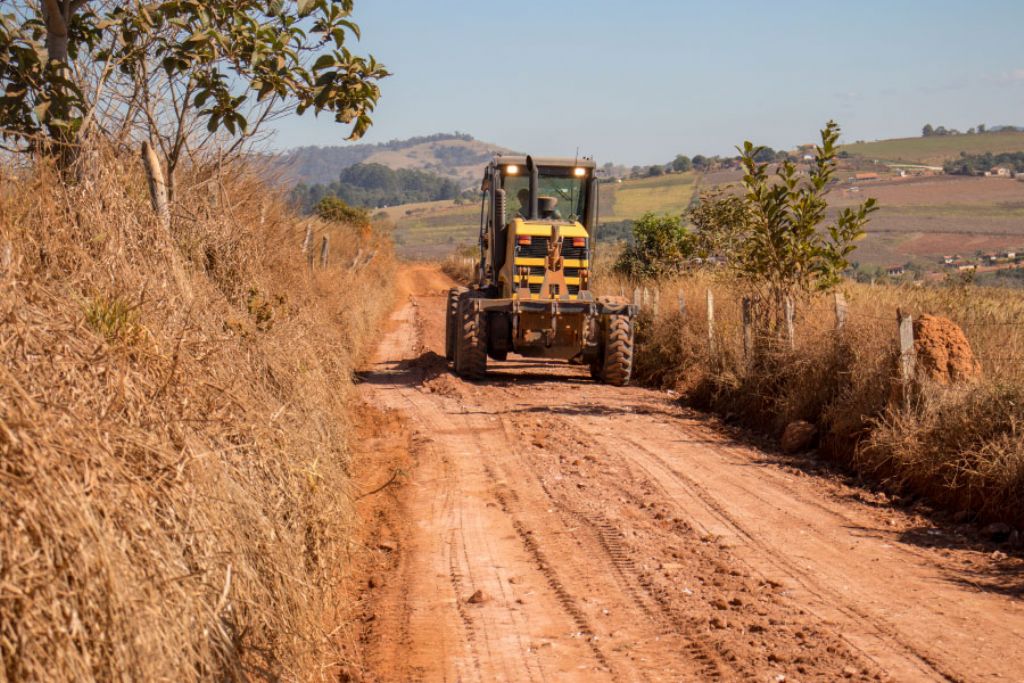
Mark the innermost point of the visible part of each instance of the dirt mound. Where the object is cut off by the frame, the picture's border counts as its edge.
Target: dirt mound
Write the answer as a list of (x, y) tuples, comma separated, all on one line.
[(943, 353)]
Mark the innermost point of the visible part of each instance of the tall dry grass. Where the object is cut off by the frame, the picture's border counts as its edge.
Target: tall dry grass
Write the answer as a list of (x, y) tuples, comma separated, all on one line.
[(174, 408), (962, 447)]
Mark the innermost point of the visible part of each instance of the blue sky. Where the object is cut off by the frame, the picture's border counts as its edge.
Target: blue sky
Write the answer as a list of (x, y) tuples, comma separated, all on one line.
[(638, 82)]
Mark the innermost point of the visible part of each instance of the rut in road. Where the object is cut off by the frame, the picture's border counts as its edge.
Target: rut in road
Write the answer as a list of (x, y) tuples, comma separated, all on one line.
[(557, 529)]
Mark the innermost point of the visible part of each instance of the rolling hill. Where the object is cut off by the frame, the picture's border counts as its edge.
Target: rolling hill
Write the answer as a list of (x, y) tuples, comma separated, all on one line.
[(936, 149), (456, 155)]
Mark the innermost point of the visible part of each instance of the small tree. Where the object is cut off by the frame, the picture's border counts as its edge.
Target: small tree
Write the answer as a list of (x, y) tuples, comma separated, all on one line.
[(661, 247), (785, 252), (337, 211), (719, 222), (928, 130), (172, 73), (681, 164), (700, 162)]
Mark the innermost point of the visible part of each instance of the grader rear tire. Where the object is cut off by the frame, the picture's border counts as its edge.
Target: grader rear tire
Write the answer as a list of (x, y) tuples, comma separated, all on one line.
[(451, 322), (618, 351), (471, 343)]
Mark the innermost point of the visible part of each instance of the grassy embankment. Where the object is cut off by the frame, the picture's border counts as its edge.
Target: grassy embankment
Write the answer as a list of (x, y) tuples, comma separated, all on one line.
[(173, 421), (961, 447)]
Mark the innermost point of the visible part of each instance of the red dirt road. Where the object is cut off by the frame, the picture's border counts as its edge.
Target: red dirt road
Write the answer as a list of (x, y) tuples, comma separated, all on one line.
[(549, 528)]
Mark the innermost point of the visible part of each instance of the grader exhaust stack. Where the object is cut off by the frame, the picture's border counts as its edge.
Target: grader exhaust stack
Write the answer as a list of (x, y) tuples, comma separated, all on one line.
[(538, 222)]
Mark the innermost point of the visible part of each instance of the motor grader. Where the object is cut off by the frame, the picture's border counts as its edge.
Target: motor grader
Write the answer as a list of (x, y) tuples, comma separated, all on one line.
[(531, 297)]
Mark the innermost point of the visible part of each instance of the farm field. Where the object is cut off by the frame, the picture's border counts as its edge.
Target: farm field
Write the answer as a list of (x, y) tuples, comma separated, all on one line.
[(920, 219), (433, 229), (938, 148), (925, 218)]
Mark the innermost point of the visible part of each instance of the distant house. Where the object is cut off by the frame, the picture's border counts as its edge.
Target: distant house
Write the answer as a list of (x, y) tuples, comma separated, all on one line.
[(999, 172), (1009, 255), (948, 260), (966, 266), (866, 176), (991, 258), (894, 271)]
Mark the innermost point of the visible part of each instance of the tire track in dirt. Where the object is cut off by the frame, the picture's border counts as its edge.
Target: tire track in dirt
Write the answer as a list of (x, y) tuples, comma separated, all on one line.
[(616, 536)]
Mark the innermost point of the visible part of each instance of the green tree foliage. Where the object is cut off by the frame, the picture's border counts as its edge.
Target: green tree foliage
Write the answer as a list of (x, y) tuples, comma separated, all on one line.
[(701, 162), (337, 211), (655, 170), (661, 247), (71, 67), (681, 164), (978, 164), (376, 185), (719, 220), (765, 155), (928, 130), (785, 250)]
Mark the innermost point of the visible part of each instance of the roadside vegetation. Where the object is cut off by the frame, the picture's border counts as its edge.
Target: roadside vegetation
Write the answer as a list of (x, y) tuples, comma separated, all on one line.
[(177, 344), (950, 435)]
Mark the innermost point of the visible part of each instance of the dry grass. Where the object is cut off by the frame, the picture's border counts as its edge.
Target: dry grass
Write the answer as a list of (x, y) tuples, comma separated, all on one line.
[(173, 420), (962, 447), (461, 264)]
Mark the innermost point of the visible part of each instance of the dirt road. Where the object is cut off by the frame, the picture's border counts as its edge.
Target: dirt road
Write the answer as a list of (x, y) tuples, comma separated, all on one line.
[(552, 529)]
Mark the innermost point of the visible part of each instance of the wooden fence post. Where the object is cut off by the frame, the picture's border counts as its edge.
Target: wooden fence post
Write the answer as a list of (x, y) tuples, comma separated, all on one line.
[(682, 303), (657, 300), (638, 297), (840, 301), (748, 330), (647, 298), (324, 247), (907, 357), (711, 323), (790, 328), (307, 246)]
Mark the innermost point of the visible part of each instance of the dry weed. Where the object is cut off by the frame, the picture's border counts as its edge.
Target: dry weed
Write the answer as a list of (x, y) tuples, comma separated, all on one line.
[(961, 447), (173, 422)]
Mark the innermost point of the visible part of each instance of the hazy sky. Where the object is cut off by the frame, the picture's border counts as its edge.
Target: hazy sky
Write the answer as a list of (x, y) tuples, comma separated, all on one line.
[(637, 82)]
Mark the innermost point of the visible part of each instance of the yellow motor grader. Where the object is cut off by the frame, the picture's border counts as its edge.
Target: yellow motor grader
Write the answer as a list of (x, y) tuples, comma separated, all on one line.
[(538, 218)]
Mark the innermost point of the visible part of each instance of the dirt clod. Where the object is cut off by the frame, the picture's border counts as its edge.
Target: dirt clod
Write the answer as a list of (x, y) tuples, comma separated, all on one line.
[(477, 598), (798, 436)]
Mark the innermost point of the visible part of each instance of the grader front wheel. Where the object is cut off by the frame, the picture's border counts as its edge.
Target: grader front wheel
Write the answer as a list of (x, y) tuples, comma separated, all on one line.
[(451, 322), (471, 342), (615, 365)]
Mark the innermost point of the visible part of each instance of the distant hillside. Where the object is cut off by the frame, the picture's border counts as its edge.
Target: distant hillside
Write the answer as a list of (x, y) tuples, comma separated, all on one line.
[(457, 156), (937, 149)]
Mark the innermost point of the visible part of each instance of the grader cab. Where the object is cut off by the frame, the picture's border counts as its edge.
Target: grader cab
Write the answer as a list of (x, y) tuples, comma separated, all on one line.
[(538, 219)]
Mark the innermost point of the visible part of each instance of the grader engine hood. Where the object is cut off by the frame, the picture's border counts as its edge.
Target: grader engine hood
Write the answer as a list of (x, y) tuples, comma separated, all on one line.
[(551, 259)]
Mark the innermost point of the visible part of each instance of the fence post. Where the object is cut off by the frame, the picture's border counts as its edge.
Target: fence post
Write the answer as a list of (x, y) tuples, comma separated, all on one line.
[(638, 297), (840, 301), (324, 247), (748, 330), (682, 303), (647, 298), (307, 246), (907, 356), (790, 332), (711, 323), (657, 300)]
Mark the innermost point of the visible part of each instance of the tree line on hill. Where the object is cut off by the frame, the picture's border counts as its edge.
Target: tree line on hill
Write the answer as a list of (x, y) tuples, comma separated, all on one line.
[(682, 163), (376, 186), (979, 164), (929, 130)]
